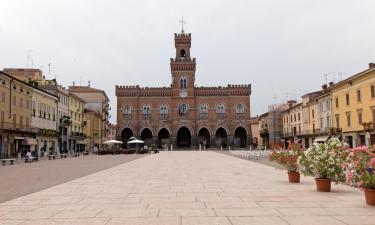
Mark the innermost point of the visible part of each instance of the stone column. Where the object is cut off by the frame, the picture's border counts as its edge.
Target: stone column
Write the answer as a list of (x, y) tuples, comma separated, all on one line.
[(229, 142), (194, 142)]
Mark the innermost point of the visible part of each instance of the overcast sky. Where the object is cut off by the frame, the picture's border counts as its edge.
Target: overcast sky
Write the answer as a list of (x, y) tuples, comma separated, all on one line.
[(283, 48)]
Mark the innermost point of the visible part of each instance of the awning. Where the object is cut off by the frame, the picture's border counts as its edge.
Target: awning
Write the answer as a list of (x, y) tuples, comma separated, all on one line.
[(81, 142), (321, 138), (29, 141), (336, 136)]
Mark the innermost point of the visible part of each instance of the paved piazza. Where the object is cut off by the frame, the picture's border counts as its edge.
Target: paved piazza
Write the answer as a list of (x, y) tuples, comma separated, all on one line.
[(188, 188)]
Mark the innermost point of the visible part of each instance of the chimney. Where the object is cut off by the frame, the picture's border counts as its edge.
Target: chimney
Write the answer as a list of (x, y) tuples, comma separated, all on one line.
[(88, 83), (291, 103), (324, 87), (331, 84), (371, 65), (74, 83)]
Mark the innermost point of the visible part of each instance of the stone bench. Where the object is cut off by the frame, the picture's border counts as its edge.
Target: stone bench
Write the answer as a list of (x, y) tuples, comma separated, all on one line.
[(51, 157), (63, 155), (85, 153), (11, 161)]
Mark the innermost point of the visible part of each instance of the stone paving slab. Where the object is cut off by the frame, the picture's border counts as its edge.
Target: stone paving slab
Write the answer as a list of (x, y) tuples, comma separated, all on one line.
[(189, 188)]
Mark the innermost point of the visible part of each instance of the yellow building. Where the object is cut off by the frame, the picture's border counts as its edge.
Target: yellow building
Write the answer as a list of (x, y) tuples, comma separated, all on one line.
[(15, 116), (76, 133), (93, 129), (354, 107)]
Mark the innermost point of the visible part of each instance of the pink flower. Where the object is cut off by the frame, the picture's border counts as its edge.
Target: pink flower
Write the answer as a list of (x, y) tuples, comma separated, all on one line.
[(372, 162), (360, 183)]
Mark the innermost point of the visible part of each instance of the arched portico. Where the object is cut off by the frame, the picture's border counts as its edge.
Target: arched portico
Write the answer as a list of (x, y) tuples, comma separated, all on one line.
[(163, 138), (221, 137), (184, 137), (240, 137), (204, 137), (146, 136), (126, 133)]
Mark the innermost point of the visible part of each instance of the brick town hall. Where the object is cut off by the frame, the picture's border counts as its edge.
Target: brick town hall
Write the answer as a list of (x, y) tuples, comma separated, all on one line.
[(184, 115)]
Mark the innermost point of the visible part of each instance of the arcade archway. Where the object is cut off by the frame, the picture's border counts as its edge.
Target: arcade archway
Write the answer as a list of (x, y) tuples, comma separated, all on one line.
[(125, 135), (146, 136), (183, 138), (221, 137), (240, 136), (204, 137), (163, 138)]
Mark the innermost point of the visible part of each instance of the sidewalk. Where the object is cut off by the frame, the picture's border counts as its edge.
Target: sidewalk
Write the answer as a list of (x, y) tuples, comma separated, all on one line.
[(189, 188)]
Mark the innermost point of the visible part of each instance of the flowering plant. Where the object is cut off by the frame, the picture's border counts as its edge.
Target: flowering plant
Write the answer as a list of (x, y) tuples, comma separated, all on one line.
[(325, 160), (287, 157), (361, 167)]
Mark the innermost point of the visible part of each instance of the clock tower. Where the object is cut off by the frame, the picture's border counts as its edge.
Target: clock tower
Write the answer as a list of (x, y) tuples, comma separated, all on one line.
[(183, 67)]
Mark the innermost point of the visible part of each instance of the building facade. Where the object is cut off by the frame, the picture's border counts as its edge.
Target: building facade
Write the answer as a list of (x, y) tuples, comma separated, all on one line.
[(96, 104), (354, 107), (63, 115), (183, 115), (44, 121), (92, 129), (16, 136), (76, 136)]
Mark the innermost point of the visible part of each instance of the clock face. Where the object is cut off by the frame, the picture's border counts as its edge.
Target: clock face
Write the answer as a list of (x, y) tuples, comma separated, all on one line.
[(183, 93)]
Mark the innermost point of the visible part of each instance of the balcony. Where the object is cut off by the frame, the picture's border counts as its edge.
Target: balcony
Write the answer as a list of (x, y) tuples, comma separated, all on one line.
[(65, 121), (77, 134), (240, 116), (220, 116), (368, 126), (146, 116), (15, 127), (163, 116), (128, 116), (203, 116)]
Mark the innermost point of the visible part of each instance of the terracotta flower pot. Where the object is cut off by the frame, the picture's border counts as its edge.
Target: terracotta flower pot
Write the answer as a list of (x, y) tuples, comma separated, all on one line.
[(323, 185), (294, 177), (369, 196)]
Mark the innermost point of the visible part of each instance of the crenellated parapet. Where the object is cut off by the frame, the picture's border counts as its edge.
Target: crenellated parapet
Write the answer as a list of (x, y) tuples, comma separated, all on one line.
[(137, 91), (186, 65), (182, 38), (230, 90)]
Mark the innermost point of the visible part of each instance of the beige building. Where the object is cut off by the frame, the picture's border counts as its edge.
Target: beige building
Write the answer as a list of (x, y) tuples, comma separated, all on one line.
[(16, 135), (63, 115), (112, 129), (97, 104), (26, 75), (44, 121)]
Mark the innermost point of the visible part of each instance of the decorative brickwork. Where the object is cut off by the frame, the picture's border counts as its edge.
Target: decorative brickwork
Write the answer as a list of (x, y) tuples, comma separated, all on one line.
[(183, 115)]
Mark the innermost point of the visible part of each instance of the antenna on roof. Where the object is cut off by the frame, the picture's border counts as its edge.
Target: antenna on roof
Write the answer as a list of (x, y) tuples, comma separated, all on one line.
[(326, 77), (28, 57)]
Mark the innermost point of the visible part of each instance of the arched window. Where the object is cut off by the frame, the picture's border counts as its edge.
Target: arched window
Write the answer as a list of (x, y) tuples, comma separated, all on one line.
[(146, 111), (240, 109), (182, 54), (220, 109), (163, 111), (183, 82), (127, 110), (182, 109), (203, 111), (203, 108)]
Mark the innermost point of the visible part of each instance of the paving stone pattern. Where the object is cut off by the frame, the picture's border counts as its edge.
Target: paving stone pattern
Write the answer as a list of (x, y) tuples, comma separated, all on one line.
[(189, 188)]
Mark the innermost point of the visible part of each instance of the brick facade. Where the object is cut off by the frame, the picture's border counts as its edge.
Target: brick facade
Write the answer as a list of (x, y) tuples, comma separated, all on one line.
[(184, 115)]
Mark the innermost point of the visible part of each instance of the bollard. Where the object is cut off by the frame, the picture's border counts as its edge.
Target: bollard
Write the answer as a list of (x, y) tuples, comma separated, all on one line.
[(171, 147)]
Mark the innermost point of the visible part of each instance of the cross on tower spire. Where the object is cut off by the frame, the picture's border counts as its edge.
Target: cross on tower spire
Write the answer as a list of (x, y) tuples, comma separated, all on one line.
[(182, 21)]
